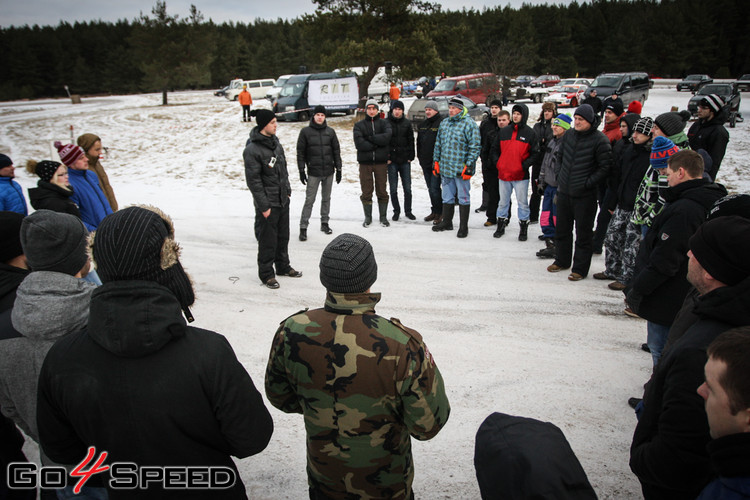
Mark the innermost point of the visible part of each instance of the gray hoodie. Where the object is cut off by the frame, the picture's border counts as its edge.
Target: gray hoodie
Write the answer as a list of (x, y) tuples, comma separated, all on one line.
[(48, 306)]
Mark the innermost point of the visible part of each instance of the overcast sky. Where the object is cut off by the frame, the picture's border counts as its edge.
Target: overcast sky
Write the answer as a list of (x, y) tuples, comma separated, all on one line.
[(51, 12)]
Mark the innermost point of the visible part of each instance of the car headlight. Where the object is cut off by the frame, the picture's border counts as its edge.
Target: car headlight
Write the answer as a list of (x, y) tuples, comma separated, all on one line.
[(289, 108)]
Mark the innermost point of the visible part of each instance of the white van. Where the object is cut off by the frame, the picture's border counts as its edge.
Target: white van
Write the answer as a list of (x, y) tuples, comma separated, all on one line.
[(257, 88), (379, 85), (273, 92)]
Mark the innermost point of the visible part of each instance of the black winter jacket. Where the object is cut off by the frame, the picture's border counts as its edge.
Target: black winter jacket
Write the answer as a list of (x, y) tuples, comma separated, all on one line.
[(402, 140), (318, 149), (585, 159), (595, 103), (50, 196), (711, 136), (630, 169), (543, 131), (669, 453), (372, 138), (487, 131), (426, 137), (661, 265), (145, 387), (265, 171)]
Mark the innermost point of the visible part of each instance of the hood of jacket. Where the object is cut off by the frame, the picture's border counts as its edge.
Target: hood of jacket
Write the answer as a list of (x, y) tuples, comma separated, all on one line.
[(524, 110), (50, 305), (702, 191), (263, 140), (134, 318), (629, 119), (48, 190)]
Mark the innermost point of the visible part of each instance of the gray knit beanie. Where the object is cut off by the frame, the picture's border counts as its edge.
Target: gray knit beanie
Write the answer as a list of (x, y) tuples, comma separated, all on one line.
[(431, 105), (672, 122), (54, 241), (348, 265)]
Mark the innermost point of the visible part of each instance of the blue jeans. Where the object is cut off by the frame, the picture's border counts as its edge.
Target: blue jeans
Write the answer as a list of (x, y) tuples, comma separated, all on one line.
[(433, 188), (453, 186), (656, 338), (394, 171), (522, 196)]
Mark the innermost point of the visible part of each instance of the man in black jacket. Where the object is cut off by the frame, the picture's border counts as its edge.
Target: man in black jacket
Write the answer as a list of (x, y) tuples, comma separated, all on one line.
[(318, 149), (487, 130), (426, 136), (585, 158), (141, 385), (709, 133), (399, 159), (668, 453), (659, 285), (372, 138), (268, 180)]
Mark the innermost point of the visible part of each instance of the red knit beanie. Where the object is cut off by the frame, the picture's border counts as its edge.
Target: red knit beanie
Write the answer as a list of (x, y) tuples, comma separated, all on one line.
[(69, 153)]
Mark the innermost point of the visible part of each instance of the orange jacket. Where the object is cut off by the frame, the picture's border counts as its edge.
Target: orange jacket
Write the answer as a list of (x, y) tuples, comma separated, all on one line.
[(244, 98), (394, 93)]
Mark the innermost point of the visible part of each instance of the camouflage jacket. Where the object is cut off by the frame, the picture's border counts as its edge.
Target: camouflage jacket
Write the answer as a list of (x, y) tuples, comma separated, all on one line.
[(363, 384)]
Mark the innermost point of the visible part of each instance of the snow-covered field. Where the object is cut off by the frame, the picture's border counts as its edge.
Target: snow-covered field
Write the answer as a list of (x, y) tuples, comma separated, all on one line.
[(507, 335)]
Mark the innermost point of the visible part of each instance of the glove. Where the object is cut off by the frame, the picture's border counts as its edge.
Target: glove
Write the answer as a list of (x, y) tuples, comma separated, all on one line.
[(634, 300), (467, 172), (436, 169), (540, 190), (338, 176), (302, 177)]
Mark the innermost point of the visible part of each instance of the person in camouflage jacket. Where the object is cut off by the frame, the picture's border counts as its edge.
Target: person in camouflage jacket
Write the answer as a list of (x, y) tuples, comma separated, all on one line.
[(363, 383)]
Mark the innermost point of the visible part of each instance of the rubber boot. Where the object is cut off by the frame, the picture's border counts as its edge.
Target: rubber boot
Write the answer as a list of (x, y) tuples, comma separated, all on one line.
[(524, 234), (447, 223), (368, 214), (383, 209), (501, 223), (463, 221)]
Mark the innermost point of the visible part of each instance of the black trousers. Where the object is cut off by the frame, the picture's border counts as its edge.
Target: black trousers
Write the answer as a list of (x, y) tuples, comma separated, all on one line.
[(536, 199), (272, 234), (579, 211), (490, 184)]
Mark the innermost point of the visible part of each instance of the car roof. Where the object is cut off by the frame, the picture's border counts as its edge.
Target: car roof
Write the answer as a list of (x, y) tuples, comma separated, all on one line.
[(473, 75)]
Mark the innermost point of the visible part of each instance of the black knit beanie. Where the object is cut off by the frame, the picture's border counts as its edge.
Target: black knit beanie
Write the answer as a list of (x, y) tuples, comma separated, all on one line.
[(10, 235), (721, 247), (586, 112), (732, 204), (397, 104), (319, 109), (672, 123), (348, 265), (262, 117), (137, 243), (54, 241), (46, 169)]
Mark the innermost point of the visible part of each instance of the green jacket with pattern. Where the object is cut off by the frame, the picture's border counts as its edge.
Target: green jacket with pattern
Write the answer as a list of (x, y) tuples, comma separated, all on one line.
[(364, 385)]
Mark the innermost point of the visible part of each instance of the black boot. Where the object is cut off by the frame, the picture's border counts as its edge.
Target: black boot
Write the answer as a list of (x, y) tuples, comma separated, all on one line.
[(383, 209), (303, 234), (447, 223), (326, 228), (368, 214), (501, 223), (463, 221), (524, 234), (483, 206)]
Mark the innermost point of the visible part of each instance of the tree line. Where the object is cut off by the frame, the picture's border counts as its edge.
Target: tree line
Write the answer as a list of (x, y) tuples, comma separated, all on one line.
[(162, 52)]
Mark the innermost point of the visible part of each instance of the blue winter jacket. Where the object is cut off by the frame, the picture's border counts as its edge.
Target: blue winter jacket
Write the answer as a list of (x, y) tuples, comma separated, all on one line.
[(89, 197), (458, 144), (11, 196)]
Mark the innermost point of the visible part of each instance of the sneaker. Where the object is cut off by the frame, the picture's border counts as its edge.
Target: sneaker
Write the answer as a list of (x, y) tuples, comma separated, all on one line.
[(490, 223), (633, 402), (410, 216), (292, 273), (575, 277), (644, 347), (602, 276), (554, 268), (326, 228), (616, 285), (272, 283), (630, 313)]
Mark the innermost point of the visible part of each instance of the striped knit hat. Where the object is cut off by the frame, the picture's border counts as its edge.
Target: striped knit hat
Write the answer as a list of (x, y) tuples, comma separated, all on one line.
[(713, 102), (661, 150), (69, 153), (348, 265), (137, 243)]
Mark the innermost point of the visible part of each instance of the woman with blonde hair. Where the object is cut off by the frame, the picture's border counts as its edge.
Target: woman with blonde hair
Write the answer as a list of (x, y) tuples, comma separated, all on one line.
[(53, 189), (92, 146)]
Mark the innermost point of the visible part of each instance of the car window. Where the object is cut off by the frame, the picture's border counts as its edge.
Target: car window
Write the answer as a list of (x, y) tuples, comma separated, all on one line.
[(607, 81), (461, 85), (445, 85), (474, 83), (267, 83), (745, 77), (715, 89)]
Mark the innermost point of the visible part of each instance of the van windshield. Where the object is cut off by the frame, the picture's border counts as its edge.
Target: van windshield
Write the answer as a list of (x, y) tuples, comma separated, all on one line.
[(280, 82), (292, 89), (445, 85), (607, 81)]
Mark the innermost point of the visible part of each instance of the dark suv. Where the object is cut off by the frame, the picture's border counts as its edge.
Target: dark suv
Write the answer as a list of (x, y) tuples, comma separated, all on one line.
[(694, 82)]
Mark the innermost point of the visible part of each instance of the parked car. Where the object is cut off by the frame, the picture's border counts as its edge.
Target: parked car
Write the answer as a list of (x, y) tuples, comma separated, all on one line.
[(257, 88), (479, 87), (274, 91), (221, 92), (565, 82), (545, 81), (727, 91), (694, 82), (411, 88), (629, 86), (570, 95), (522, 81), (743, 83), (416, 111)]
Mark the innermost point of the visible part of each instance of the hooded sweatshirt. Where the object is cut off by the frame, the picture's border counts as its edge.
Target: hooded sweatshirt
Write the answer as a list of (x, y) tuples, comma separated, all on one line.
[(515, 149), (49, 305)]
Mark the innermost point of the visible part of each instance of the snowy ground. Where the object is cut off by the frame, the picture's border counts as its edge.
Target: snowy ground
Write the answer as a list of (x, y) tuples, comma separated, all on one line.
[(507, 335)]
